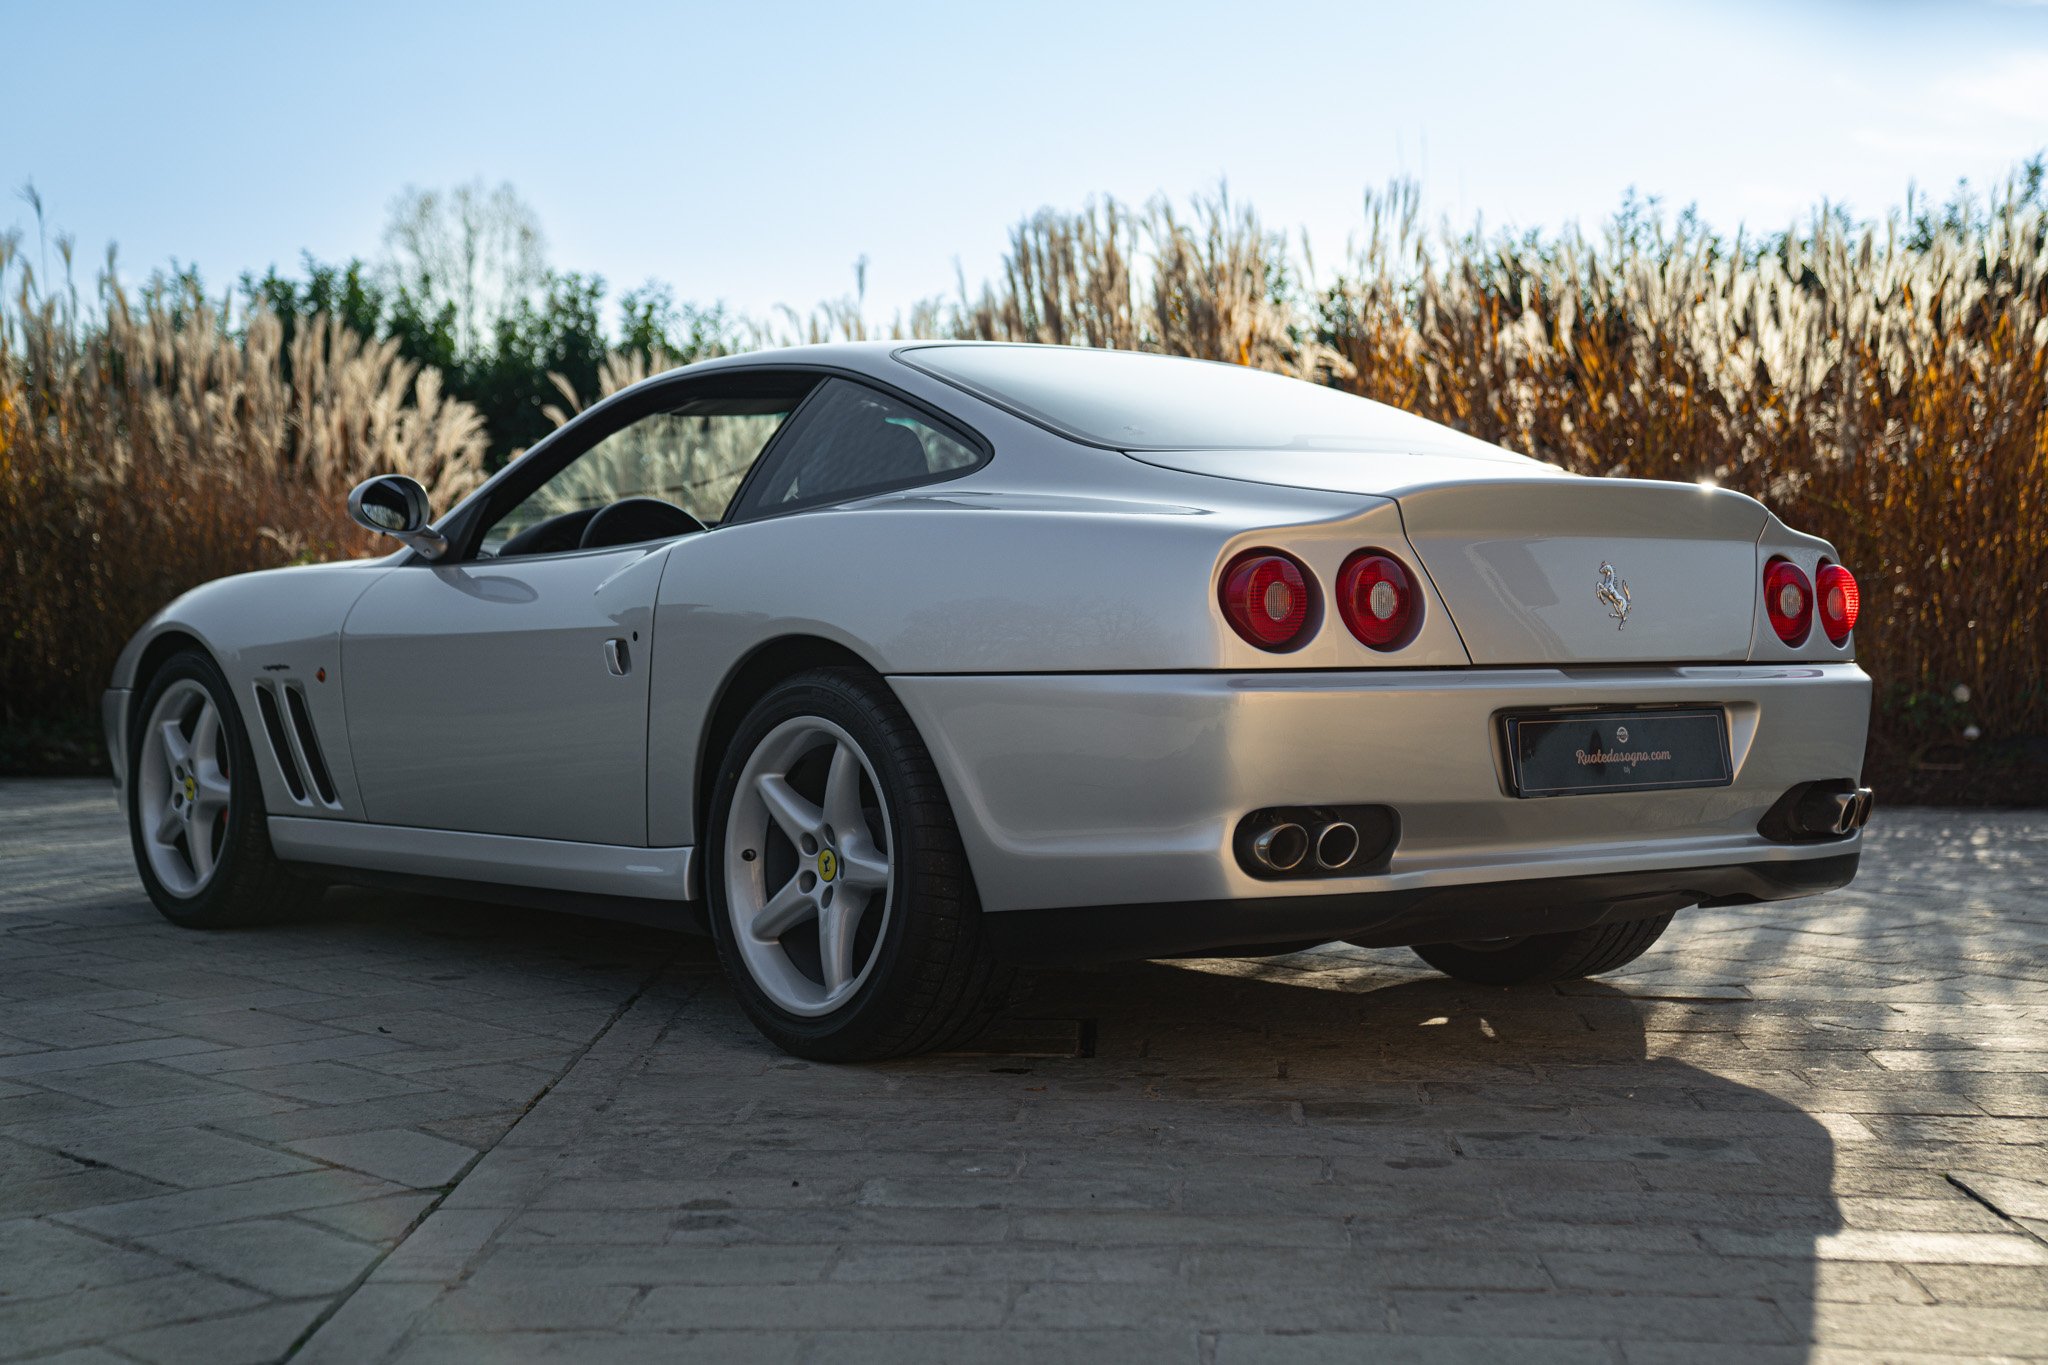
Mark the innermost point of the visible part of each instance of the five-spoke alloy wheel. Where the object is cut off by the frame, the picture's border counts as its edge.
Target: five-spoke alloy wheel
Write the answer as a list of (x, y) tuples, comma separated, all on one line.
[(807, 866), (841, 901), (181, 781)]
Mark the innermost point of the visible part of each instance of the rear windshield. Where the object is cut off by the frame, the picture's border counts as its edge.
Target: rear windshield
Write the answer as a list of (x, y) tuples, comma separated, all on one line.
[(1129, 400)]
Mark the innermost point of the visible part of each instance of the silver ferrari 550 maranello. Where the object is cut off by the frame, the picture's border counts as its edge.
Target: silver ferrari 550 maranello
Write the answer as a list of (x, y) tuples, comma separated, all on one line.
[(895, 664)]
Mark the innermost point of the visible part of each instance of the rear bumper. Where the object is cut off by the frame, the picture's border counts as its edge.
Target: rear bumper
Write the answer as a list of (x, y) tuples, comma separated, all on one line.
[(1122, 790), (1391, 919)]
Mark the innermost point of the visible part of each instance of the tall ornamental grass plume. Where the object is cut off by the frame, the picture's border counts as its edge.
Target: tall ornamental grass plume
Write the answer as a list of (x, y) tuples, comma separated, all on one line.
[(151, 443), (1216, 285)]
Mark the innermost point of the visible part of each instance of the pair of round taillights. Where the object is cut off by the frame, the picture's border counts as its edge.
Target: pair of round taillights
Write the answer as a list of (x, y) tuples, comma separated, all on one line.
[(1270, 598), (1790, 600)]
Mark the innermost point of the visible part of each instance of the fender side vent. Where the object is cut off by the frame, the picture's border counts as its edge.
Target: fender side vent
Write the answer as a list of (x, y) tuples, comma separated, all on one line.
[(280, 747), (309, 745)]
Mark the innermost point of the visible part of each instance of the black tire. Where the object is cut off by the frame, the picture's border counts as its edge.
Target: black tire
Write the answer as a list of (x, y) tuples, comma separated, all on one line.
[(1546, 957), (935, 979), (249, 885)]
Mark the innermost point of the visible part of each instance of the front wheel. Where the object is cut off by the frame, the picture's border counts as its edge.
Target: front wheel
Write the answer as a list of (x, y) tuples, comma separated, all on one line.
[(1545, 957), (841, 901), (195, 806)]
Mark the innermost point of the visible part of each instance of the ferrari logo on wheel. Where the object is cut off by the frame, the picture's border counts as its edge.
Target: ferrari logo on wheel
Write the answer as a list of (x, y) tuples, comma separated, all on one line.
[(828, 865)]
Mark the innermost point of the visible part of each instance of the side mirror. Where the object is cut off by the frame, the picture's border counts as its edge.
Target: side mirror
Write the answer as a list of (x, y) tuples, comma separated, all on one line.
[(396, 506)]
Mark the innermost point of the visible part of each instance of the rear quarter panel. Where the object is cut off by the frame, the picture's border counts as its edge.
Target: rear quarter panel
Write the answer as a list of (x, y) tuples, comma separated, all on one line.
[(983, 582)]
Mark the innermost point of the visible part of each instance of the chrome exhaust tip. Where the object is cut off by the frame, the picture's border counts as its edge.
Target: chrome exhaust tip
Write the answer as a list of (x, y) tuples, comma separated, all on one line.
[(1830, 808), (1282, 847), (1336, 845), (1848, 811), (1839, 813)]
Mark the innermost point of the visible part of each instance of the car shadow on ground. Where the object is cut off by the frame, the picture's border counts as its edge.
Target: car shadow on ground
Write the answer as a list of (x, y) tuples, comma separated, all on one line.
[(1545, 1163), (1611, 1153)]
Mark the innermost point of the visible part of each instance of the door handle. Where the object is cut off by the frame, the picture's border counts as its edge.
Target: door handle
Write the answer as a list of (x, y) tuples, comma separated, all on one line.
[(618, 658)]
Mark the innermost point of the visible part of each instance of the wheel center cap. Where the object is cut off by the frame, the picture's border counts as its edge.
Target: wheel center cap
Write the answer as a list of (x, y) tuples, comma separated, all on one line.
[(828, 865), (191, 787)]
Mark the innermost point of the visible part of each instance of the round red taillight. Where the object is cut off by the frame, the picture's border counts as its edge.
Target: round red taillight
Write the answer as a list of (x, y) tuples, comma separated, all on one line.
[(1376, 598), (1788, 600), (1267, 596), (1840, 601)]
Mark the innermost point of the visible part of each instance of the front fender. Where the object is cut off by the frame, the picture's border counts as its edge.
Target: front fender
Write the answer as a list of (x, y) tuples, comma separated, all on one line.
[(279, 625)]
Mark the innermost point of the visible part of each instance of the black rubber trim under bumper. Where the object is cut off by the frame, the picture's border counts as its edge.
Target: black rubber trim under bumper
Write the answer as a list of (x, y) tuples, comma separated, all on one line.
[(1392, 919)]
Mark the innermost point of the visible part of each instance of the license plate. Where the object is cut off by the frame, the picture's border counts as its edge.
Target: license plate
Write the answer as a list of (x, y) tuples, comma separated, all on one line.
[(1576, 753)]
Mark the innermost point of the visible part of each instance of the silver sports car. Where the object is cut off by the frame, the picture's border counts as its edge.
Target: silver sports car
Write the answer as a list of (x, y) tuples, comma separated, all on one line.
[(895, 664)]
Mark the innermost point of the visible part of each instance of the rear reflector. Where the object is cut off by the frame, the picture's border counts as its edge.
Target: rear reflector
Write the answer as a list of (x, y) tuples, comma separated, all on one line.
[(1267, 597), (1376, 598), (1788, 600), (1840, 601)]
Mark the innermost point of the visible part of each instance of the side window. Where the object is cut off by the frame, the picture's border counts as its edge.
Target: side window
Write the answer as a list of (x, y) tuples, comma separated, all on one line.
[(693, 456), (853, 440)]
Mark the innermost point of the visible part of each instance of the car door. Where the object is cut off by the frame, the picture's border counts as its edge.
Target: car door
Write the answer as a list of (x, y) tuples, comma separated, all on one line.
[(504, 690)]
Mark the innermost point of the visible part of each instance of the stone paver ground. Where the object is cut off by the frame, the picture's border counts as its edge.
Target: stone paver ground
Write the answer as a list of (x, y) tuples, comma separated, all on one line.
[(416, 1130)]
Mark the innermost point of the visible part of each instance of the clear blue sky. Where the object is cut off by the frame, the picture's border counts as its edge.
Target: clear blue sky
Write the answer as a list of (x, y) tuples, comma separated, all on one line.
[(751, 151)]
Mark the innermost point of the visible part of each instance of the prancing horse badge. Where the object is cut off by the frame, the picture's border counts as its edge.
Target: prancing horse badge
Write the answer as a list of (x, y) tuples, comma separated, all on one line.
[(1614, 592)]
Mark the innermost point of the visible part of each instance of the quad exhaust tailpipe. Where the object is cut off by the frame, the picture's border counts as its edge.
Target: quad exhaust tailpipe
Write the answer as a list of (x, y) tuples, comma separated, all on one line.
[(1281, 848), (1813, 811), (1336, 845), (1283, 842), (1844, 812)]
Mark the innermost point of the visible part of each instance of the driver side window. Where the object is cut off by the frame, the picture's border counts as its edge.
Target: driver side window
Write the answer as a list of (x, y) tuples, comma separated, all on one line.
[(692, 456)]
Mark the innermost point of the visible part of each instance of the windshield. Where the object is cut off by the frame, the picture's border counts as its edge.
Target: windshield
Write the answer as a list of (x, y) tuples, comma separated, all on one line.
[(1129, 400)]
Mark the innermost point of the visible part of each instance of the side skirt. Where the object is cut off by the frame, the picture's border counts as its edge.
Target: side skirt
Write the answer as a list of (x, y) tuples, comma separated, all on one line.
[(503, 860)]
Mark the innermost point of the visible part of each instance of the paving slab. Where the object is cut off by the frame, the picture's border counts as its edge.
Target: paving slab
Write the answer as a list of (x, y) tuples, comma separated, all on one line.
[(403, 1155), (408, 1129)]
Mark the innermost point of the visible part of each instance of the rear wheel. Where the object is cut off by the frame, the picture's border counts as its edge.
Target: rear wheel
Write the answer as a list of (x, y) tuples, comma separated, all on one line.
[(1545, 957), (840, 897), (195, 806)]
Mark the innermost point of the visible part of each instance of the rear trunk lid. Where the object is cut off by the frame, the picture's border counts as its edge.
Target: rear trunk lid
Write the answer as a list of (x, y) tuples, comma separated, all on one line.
[(1590, 570)]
